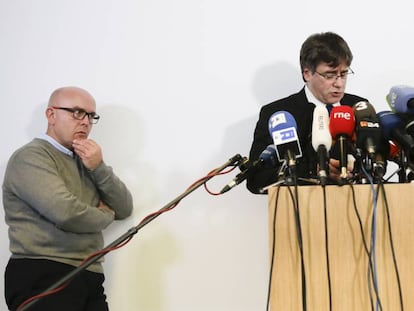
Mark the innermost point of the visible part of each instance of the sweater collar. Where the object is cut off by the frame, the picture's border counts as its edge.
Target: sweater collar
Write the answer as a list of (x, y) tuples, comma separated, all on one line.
[(55, 144)]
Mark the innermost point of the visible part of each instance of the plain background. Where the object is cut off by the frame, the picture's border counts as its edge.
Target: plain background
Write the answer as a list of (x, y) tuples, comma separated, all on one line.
[(179, 85)]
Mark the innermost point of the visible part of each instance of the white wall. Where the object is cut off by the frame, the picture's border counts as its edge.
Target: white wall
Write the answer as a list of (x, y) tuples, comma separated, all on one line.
[(179, 85)]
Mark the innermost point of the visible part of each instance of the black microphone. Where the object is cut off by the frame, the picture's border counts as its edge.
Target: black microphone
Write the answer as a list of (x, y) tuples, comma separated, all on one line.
[(408, 120), (267, 157), (409, 123), (370, 138), (321, 140)]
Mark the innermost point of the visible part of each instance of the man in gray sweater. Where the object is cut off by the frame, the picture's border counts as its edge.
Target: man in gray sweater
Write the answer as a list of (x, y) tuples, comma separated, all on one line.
[(58, 196)]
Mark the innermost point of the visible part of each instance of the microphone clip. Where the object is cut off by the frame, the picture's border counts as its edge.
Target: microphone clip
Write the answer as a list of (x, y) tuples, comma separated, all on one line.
[(243, 163)]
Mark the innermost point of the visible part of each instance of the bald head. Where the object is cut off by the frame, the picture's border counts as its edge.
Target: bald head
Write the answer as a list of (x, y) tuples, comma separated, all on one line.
[(69, 93)]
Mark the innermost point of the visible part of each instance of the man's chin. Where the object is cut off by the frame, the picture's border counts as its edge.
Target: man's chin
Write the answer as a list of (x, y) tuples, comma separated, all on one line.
[(80, 136)]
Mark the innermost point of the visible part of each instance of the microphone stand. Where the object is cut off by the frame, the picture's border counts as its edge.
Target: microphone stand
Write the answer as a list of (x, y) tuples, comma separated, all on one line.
[(402, 177), (132, 231)]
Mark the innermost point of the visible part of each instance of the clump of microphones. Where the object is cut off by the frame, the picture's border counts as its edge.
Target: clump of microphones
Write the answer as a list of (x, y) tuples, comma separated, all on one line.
[(371, 138)]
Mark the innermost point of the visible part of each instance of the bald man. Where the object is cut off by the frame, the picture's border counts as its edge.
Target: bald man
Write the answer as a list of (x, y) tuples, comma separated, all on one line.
[(58, 196)]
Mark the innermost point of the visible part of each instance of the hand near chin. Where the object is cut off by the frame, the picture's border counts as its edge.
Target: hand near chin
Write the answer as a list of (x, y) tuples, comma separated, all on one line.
[(89, 152)]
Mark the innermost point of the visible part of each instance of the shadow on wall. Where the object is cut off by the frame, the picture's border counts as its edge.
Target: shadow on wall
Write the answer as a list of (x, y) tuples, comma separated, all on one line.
[(276, 81), (270, 83), (135, 273), (120, 133), (38, 124), (238, 218)]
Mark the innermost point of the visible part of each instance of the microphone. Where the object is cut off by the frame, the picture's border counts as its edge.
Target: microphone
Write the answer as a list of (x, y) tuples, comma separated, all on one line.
[(394, 151), (401, 99), (266, 158), (394, 154), (409, 124), (393, 129), (408, 120), (321, 140), (369, 137), (341, 125), (282, 128)]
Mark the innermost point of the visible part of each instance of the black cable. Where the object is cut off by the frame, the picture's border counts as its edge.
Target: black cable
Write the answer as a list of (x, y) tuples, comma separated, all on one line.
[(300, 241), (365, 246), (273, 249), (328, 270), (394, 258), (368, 252), (369, 278)]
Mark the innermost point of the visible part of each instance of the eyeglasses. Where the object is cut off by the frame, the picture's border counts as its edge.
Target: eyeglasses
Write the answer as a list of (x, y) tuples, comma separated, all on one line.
[(80, 114), (333, 76)]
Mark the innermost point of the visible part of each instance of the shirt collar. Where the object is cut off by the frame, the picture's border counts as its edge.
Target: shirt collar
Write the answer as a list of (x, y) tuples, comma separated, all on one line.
[(55, 144), (312, 99)]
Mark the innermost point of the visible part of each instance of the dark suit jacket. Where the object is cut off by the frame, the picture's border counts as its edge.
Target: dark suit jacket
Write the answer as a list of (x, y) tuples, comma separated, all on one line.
[(298, 105)]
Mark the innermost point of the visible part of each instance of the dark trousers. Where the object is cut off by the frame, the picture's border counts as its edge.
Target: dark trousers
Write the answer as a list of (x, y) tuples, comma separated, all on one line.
[(25, 278)]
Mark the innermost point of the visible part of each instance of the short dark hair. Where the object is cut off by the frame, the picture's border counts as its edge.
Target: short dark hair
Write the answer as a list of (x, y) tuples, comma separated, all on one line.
[(326, 47)]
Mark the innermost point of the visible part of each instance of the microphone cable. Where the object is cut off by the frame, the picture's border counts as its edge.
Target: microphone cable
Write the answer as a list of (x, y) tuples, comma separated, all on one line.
[(373, 231), (367, 251), (295, 200), (394, 258), (273, 249), (328, 270)]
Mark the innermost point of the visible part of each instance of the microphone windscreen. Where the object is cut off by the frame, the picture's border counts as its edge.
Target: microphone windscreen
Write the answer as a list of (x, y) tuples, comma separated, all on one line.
[(281, 120), (389, 121), (399, 97), (320, 128), (283, 130), (363, 110), (268, 156), (342, 121)]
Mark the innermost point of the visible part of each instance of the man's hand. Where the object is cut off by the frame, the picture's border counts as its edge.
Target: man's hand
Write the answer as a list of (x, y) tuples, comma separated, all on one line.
[(89, 152), (335, 170), (104, 207)]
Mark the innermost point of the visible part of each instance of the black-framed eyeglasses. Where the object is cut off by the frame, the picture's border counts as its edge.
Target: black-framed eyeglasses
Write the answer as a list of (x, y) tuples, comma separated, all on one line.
[(333, 76), (79, 114)]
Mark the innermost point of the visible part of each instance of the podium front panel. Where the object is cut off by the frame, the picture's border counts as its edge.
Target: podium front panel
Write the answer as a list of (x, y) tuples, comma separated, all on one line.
[(351, 285)]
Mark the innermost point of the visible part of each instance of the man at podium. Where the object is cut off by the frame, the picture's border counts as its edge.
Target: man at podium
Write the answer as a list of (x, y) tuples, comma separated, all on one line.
[(325, 61)]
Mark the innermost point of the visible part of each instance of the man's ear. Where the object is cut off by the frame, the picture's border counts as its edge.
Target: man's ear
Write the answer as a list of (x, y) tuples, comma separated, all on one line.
[(306, 74), (50, 115)]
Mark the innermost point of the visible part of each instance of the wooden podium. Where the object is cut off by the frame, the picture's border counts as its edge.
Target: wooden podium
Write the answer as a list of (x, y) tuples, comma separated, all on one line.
[(348, 261)]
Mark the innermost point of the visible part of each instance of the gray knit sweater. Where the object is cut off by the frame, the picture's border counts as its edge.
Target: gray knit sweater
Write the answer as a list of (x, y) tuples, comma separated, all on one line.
[(50, 202)]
